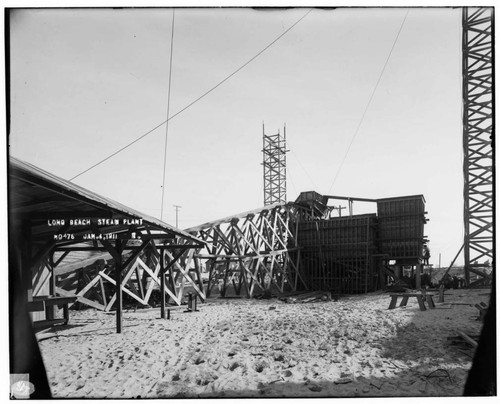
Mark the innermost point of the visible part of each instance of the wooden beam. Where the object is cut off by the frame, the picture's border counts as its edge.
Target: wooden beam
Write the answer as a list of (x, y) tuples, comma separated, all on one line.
[(136, 253), (124, 289), (103, 291), (81, 299), (42, 253), (198, 273), (139, 282), (70, 267), (230, 218), (162, 284), (40, 284), (186, 275), (41, 216), (154, 277), (452, 262)]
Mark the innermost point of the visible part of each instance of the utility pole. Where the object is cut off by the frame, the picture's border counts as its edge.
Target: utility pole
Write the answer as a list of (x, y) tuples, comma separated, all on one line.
[(177, 207)]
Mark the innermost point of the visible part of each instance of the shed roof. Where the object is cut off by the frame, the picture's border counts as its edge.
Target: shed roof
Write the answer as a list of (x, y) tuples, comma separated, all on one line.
[(39, 196)]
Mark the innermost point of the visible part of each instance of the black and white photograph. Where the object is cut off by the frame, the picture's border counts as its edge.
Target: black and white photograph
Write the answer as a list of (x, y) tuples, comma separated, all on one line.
[(250, 202)]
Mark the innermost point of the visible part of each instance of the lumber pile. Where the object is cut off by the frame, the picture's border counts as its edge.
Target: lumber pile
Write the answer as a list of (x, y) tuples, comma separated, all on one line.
[(308, 297)]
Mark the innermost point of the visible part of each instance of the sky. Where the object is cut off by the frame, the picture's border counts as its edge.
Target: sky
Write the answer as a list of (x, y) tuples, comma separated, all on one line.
[(86, 82)]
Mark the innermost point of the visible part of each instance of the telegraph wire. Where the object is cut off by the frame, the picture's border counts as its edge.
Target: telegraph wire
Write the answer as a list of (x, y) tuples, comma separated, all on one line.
[(369, 102), (196, 100), (168, 114)]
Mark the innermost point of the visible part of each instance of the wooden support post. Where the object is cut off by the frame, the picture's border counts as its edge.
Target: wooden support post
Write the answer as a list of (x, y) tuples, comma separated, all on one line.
[(52, 284), (162, 283), (394, 300), (66, 313), (224, 286), (26, 260), (51, 312), (430, 301), (421, 303), (451, 265), (116, 253), (210, 263), (418, 282), (441, 294), (118, 286)]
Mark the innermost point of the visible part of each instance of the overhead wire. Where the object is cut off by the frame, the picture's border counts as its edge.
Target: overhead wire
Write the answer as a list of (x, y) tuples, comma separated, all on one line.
[(196, 100), (289, 177), (369, 102), (168, 113), (303, 169)]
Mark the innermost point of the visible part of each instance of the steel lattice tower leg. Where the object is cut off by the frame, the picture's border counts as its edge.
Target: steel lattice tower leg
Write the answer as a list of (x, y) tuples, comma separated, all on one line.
[(274, 155), (478, 134)]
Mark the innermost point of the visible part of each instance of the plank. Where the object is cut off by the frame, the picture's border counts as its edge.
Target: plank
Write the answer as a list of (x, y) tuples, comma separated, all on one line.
[(468, 339), (186, 275), (65, 268), (81, 299), (40, 285), (123, 288), (154, 277)]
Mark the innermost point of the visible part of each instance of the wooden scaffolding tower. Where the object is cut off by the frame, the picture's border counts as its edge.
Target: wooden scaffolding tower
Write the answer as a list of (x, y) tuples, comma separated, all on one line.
[(274, 162), (478, 133)]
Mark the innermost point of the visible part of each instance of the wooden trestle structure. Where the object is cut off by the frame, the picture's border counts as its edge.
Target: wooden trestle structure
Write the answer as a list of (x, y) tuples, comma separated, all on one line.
[(60, 242), (68, 242), (478, 88), (250, 252)]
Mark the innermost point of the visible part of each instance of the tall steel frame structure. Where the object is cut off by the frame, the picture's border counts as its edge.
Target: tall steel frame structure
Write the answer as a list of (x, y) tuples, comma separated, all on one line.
[(274, 162), (478, 134)]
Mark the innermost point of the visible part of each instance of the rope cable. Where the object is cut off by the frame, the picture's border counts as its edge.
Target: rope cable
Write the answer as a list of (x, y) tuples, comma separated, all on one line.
[(369, 103), (303, 169), (168, 113), (196, 100)]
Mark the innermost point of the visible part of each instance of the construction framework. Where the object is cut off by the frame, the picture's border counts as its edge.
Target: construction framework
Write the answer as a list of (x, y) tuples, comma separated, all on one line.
[(250, 253), (68, 245), (478, 132), (274, 163)]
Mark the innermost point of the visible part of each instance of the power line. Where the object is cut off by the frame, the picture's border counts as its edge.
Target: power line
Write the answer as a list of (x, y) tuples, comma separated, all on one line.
[(168, 113), (196, 100), (369, 102)]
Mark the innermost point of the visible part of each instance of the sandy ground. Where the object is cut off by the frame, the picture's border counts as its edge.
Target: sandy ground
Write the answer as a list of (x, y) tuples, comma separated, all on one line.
[(353, 347)]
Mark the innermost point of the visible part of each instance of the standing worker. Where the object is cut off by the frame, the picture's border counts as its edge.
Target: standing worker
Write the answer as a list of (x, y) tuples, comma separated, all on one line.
[(427, 254)]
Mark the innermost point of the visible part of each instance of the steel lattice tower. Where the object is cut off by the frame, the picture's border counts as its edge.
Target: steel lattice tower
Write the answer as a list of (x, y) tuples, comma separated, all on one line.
[(274, 155), (478, 134)]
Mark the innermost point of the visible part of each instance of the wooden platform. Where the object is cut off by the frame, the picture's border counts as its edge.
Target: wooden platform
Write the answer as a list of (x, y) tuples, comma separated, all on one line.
[(45, 303), (421, 298)]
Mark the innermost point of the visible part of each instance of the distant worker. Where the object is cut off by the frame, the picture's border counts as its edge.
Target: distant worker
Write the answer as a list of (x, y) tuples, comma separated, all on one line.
[(427, 254)]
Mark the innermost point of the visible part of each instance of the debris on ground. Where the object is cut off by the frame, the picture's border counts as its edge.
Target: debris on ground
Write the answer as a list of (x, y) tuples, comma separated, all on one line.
[(308, 297), (463, 339)]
